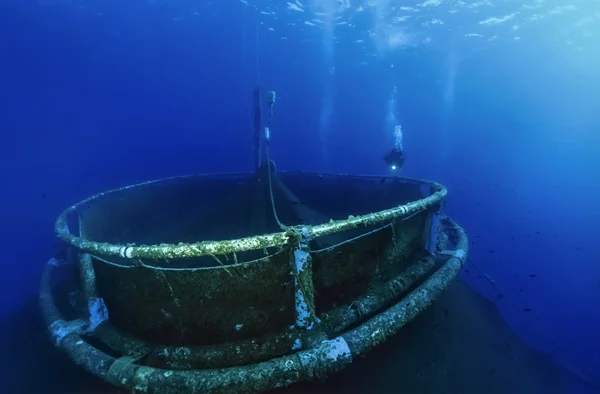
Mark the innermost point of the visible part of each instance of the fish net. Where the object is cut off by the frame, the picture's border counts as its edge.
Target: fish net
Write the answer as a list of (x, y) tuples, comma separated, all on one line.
[(203, 260)]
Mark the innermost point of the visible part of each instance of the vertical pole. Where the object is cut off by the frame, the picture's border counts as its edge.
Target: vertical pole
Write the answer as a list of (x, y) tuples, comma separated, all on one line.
[(433, 225), (86, 267), (98, 312), (301, 262)]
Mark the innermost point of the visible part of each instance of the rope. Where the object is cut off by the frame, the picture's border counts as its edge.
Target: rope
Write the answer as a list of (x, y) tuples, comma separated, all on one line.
[(364, 235), (279, 223), (493, 283), (351, 239), (284, 227)]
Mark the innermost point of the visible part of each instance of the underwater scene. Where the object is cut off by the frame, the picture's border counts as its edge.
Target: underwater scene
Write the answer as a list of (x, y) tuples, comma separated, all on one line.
[(330, 196)]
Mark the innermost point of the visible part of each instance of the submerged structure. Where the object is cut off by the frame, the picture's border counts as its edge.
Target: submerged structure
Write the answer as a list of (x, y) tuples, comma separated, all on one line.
[(245, 282)]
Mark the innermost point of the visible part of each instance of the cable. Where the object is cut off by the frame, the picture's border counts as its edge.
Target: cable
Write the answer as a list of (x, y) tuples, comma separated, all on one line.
[(493, 283), (279, 223)]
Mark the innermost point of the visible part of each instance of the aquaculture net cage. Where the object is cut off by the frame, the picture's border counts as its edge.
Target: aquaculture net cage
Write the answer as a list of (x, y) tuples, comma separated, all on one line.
[(248, 282)]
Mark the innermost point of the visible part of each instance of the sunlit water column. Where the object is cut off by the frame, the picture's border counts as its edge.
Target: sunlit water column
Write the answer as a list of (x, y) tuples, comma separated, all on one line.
[(326, 10), (445, 141), (381, 26)]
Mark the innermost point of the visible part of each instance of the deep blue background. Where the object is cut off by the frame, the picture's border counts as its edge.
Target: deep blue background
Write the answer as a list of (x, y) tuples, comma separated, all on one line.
[(95, 95)]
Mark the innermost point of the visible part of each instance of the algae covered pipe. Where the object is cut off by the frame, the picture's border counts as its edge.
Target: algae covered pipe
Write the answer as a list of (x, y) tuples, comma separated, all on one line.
[(205, 248), (309, 364)]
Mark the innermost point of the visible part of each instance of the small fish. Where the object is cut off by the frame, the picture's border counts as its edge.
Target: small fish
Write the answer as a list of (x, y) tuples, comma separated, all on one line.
[(527, 310), (532, 275), (382, 180), (446, 312)]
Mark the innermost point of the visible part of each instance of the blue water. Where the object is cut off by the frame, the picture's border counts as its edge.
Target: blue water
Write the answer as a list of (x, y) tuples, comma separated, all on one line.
[(497, 100)]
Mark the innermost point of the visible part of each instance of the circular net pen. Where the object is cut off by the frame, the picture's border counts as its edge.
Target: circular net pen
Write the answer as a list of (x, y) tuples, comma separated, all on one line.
[(244, 283)]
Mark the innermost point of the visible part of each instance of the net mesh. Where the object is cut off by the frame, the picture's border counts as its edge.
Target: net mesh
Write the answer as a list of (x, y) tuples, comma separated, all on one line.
[(213, 299)]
